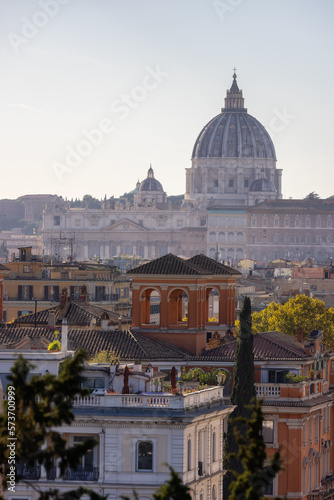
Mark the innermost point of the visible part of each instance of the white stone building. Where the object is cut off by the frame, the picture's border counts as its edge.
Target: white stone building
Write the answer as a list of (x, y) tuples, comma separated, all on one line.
[(233, 168)]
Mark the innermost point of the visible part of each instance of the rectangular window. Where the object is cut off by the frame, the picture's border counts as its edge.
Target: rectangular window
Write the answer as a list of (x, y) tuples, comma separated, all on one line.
[(179, 222), (23, 312), (77, 222), (25, 292), (51, 292), (246, 183), (56, 220), (93, 382), (231, 183), (253, 221), (276, 221), (27, 269), (144, 456), (268, 431)]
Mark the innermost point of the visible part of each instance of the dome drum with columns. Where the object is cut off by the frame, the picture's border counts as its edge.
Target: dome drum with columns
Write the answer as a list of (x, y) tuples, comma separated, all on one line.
[(231, 152)]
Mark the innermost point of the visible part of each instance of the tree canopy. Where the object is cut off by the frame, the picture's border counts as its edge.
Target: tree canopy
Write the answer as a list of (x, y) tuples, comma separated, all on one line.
[(299, 312)]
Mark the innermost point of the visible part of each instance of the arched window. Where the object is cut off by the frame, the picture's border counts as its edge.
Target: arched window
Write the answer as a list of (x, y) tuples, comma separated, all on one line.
[(214, 492), (144, 456), (212, 236), (240, 237), (221, 236), (240, 254), (189, 454), (230, 237), (212, 253)]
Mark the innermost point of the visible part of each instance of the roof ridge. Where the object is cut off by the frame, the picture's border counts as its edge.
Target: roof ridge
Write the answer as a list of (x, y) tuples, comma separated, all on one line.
[(275, 342)]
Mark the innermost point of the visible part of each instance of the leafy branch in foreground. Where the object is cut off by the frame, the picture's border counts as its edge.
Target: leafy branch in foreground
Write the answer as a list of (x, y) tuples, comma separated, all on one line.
[(41, 405)]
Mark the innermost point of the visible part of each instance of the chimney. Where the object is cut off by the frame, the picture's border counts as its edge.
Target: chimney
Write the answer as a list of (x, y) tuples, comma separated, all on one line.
[(52, 318), (300, 336), (64, 336), (120, 323)]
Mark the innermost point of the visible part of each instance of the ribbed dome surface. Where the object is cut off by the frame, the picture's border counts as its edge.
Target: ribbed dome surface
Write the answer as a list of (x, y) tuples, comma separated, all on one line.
[(262, 185), (150, 183), (233, 134)]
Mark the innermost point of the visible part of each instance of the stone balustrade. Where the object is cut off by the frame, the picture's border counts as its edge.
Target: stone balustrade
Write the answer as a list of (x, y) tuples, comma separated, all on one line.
[(153, 400)]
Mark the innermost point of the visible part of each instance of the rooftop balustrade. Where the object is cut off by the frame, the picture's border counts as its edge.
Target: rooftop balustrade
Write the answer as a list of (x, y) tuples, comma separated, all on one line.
[(153, 400), (302, 390)]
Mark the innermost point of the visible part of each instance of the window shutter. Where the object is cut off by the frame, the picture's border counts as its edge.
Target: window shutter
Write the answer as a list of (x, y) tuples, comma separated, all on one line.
[(46, 292), (56, 294), (20, 292), (72, 292), (30, 292)]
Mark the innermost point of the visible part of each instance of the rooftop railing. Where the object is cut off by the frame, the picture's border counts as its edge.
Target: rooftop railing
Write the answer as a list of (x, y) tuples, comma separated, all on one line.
[(153, 400)]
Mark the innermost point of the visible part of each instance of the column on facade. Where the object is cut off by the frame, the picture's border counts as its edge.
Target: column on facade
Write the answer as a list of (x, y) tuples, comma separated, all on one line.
[(164, 304), (192, 309), (101, 456)]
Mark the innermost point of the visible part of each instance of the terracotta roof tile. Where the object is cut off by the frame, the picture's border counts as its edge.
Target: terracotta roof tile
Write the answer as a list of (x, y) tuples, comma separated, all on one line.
[(212, 266), (80, 314), (125, 344), (267, 346), (172, 265)]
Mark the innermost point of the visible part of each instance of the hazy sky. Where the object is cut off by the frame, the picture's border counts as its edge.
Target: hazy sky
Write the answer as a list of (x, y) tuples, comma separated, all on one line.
[(93, 91)]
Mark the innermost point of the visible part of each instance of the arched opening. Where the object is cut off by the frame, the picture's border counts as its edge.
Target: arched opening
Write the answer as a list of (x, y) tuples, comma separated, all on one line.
[(178, 302), (212, 305), (150, 307)]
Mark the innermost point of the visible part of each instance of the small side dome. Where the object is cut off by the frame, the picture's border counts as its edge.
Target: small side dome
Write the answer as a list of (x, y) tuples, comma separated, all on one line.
[(150, 183), (261, 185)]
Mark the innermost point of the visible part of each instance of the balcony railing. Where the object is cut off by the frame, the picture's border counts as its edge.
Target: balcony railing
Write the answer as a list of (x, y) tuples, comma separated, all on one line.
[(302, 390), (51, 474), (25, 472), (153, 400), (82, 474)]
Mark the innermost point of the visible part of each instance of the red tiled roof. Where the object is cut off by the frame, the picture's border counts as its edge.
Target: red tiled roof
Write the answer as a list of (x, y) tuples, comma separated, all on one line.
[(267, 346), (172, 265), (80, 314), (125, 344), (212, 266)]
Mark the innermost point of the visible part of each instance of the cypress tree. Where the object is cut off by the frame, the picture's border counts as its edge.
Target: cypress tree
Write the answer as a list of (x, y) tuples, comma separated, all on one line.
[(256, 476), (243, 392)]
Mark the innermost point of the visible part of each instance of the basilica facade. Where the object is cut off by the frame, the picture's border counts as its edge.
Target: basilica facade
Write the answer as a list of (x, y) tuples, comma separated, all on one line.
[(232, 207)]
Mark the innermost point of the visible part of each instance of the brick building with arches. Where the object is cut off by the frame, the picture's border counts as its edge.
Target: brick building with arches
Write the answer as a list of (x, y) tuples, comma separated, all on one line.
[(186, 290)]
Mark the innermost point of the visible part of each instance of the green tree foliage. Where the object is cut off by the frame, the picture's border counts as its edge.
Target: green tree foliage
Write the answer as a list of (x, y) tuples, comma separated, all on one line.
[(204, 378), (174, 489), (250, 484), (41, 405), (301, 311), (243, 392), (105, 357), (312, 196)]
